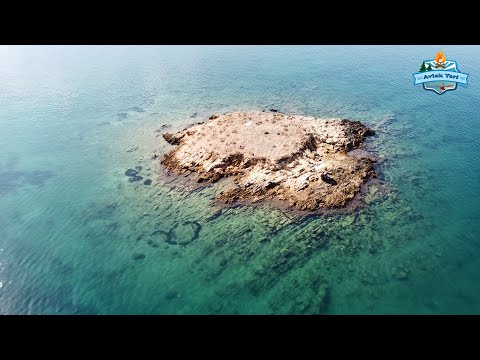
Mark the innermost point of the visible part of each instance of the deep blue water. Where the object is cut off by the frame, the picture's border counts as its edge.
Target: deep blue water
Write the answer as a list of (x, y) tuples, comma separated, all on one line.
[(77, 237)]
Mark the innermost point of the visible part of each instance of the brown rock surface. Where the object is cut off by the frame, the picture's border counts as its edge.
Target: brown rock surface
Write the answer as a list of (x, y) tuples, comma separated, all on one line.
[(302, 161)]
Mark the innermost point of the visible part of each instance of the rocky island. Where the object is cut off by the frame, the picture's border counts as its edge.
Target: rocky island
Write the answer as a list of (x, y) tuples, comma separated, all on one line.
[(303, 162)]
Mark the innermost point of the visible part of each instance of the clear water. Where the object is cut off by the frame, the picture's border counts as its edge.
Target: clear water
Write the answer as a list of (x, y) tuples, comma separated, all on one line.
[(76, 237)]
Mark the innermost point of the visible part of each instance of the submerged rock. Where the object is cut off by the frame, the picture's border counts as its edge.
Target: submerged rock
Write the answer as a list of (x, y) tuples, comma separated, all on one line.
[(300, 161), (172, 294), (135, 178), (138, 256), (400, 273), (147, 182), (137, 109), (131, 172)]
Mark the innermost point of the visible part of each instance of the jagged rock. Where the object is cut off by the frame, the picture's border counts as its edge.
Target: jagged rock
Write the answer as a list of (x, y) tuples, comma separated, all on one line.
[(270, 154), (173, 139), (163, 127)]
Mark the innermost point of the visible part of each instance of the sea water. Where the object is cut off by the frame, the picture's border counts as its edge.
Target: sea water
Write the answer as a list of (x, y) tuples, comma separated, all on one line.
[(77, 237)]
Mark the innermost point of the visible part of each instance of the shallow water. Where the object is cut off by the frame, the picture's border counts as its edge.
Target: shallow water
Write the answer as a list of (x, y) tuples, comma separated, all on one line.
[(77, 237)]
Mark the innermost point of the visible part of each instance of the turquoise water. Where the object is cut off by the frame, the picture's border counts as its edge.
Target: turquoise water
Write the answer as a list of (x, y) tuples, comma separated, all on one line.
[(76, 237)]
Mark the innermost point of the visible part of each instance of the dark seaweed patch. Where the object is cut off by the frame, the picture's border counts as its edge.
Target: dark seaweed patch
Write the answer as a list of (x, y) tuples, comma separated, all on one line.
[(196, 228), (172, 294), (37, 178), (171, 239), (135, 178), (168, 235), (137, 109), (131, 172), (152, 243), (11, 178), (138, 256), (216, 215)]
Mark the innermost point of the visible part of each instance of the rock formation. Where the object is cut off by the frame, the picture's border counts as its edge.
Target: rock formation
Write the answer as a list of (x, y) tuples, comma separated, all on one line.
[(305, 162)]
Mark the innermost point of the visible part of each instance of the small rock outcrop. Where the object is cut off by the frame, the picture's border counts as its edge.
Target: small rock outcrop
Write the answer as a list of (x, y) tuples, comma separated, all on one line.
[(301, 161)]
